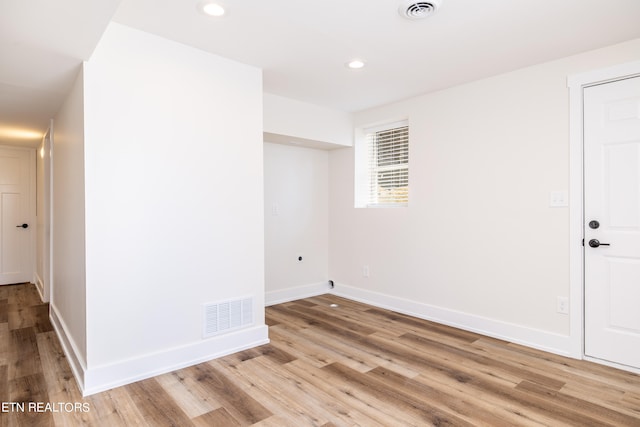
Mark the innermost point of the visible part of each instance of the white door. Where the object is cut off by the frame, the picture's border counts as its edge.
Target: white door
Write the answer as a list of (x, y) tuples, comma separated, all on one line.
[(612, 221), (15, 217)]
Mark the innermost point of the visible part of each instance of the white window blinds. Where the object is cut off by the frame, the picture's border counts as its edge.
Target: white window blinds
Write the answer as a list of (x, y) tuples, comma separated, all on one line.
[(388, 165)]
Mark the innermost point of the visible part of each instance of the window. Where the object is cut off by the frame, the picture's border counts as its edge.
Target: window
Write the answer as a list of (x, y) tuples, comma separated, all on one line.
[(386, 174)]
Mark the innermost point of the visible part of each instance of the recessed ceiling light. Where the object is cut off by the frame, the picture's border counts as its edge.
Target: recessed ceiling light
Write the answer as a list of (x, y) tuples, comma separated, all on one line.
[(213, 9), (355, 64)]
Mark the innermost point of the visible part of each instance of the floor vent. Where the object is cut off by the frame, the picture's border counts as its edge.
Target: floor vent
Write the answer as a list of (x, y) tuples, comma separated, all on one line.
[(221, 317)]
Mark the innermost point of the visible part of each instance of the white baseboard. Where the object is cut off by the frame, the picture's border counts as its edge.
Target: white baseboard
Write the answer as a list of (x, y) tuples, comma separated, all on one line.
[(76, 361), (530, 337), (101, 378), (39, 286), (105, 377), (297, 292)]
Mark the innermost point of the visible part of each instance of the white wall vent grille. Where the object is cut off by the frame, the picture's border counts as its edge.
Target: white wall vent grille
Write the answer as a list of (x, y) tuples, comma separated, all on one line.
[(225, 316)]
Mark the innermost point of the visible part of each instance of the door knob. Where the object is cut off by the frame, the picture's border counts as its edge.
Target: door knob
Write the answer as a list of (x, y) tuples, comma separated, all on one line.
[(594, 243), (23, 226)]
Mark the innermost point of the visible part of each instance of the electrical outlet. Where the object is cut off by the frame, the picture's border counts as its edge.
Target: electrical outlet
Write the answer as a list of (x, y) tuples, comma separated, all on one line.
[(558, 199), (562, 305), (365, 271)]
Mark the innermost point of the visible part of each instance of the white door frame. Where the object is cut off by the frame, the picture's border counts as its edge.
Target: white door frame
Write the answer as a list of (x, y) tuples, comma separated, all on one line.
[(46, 211), (576, 85)]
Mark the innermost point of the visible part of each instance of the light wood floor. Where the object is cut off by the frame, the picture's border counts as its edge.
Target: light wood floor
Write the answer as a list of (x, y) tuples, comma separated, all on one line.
[(353, 365)]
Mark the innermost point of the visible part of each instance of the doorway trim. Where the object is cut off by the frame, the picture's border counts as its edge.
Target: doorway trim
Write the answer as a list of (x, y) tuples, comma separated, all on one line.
[(576, 84)]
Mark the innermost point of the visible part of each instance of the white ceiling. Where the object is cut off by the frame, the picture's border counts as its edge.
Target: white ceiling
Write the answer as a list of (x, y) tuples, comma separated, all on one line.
[(302, 46), (42, 44)]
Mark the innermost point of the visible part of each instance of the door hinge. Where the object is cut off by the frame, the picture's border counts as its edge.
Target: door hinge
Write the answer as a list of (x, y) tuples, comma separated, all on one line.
[(582, 242)]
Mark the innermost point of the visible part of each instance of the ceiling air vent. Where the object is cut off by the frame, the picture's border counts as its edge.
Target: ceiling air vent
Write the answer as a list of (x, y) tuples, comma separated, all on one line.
[(418, 9)]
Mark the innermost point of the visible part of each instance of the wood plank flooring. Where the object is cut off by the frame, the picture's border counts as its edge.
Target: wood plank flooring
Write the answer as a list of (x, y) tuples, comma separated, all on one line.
[(352, 365)]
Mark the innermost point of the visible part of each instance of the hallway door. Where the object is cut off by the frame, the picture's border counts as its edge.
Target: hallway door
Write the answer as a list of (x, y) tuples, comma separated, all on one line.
[(612, 221), (16, 255)]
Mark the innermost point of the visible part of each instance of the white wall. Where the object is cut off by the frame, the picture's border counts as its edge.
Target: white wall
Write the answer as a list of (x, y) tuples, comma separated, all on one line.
[(68, 295), (478, 246), (288, 119), (174, 204), (296, 221)]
